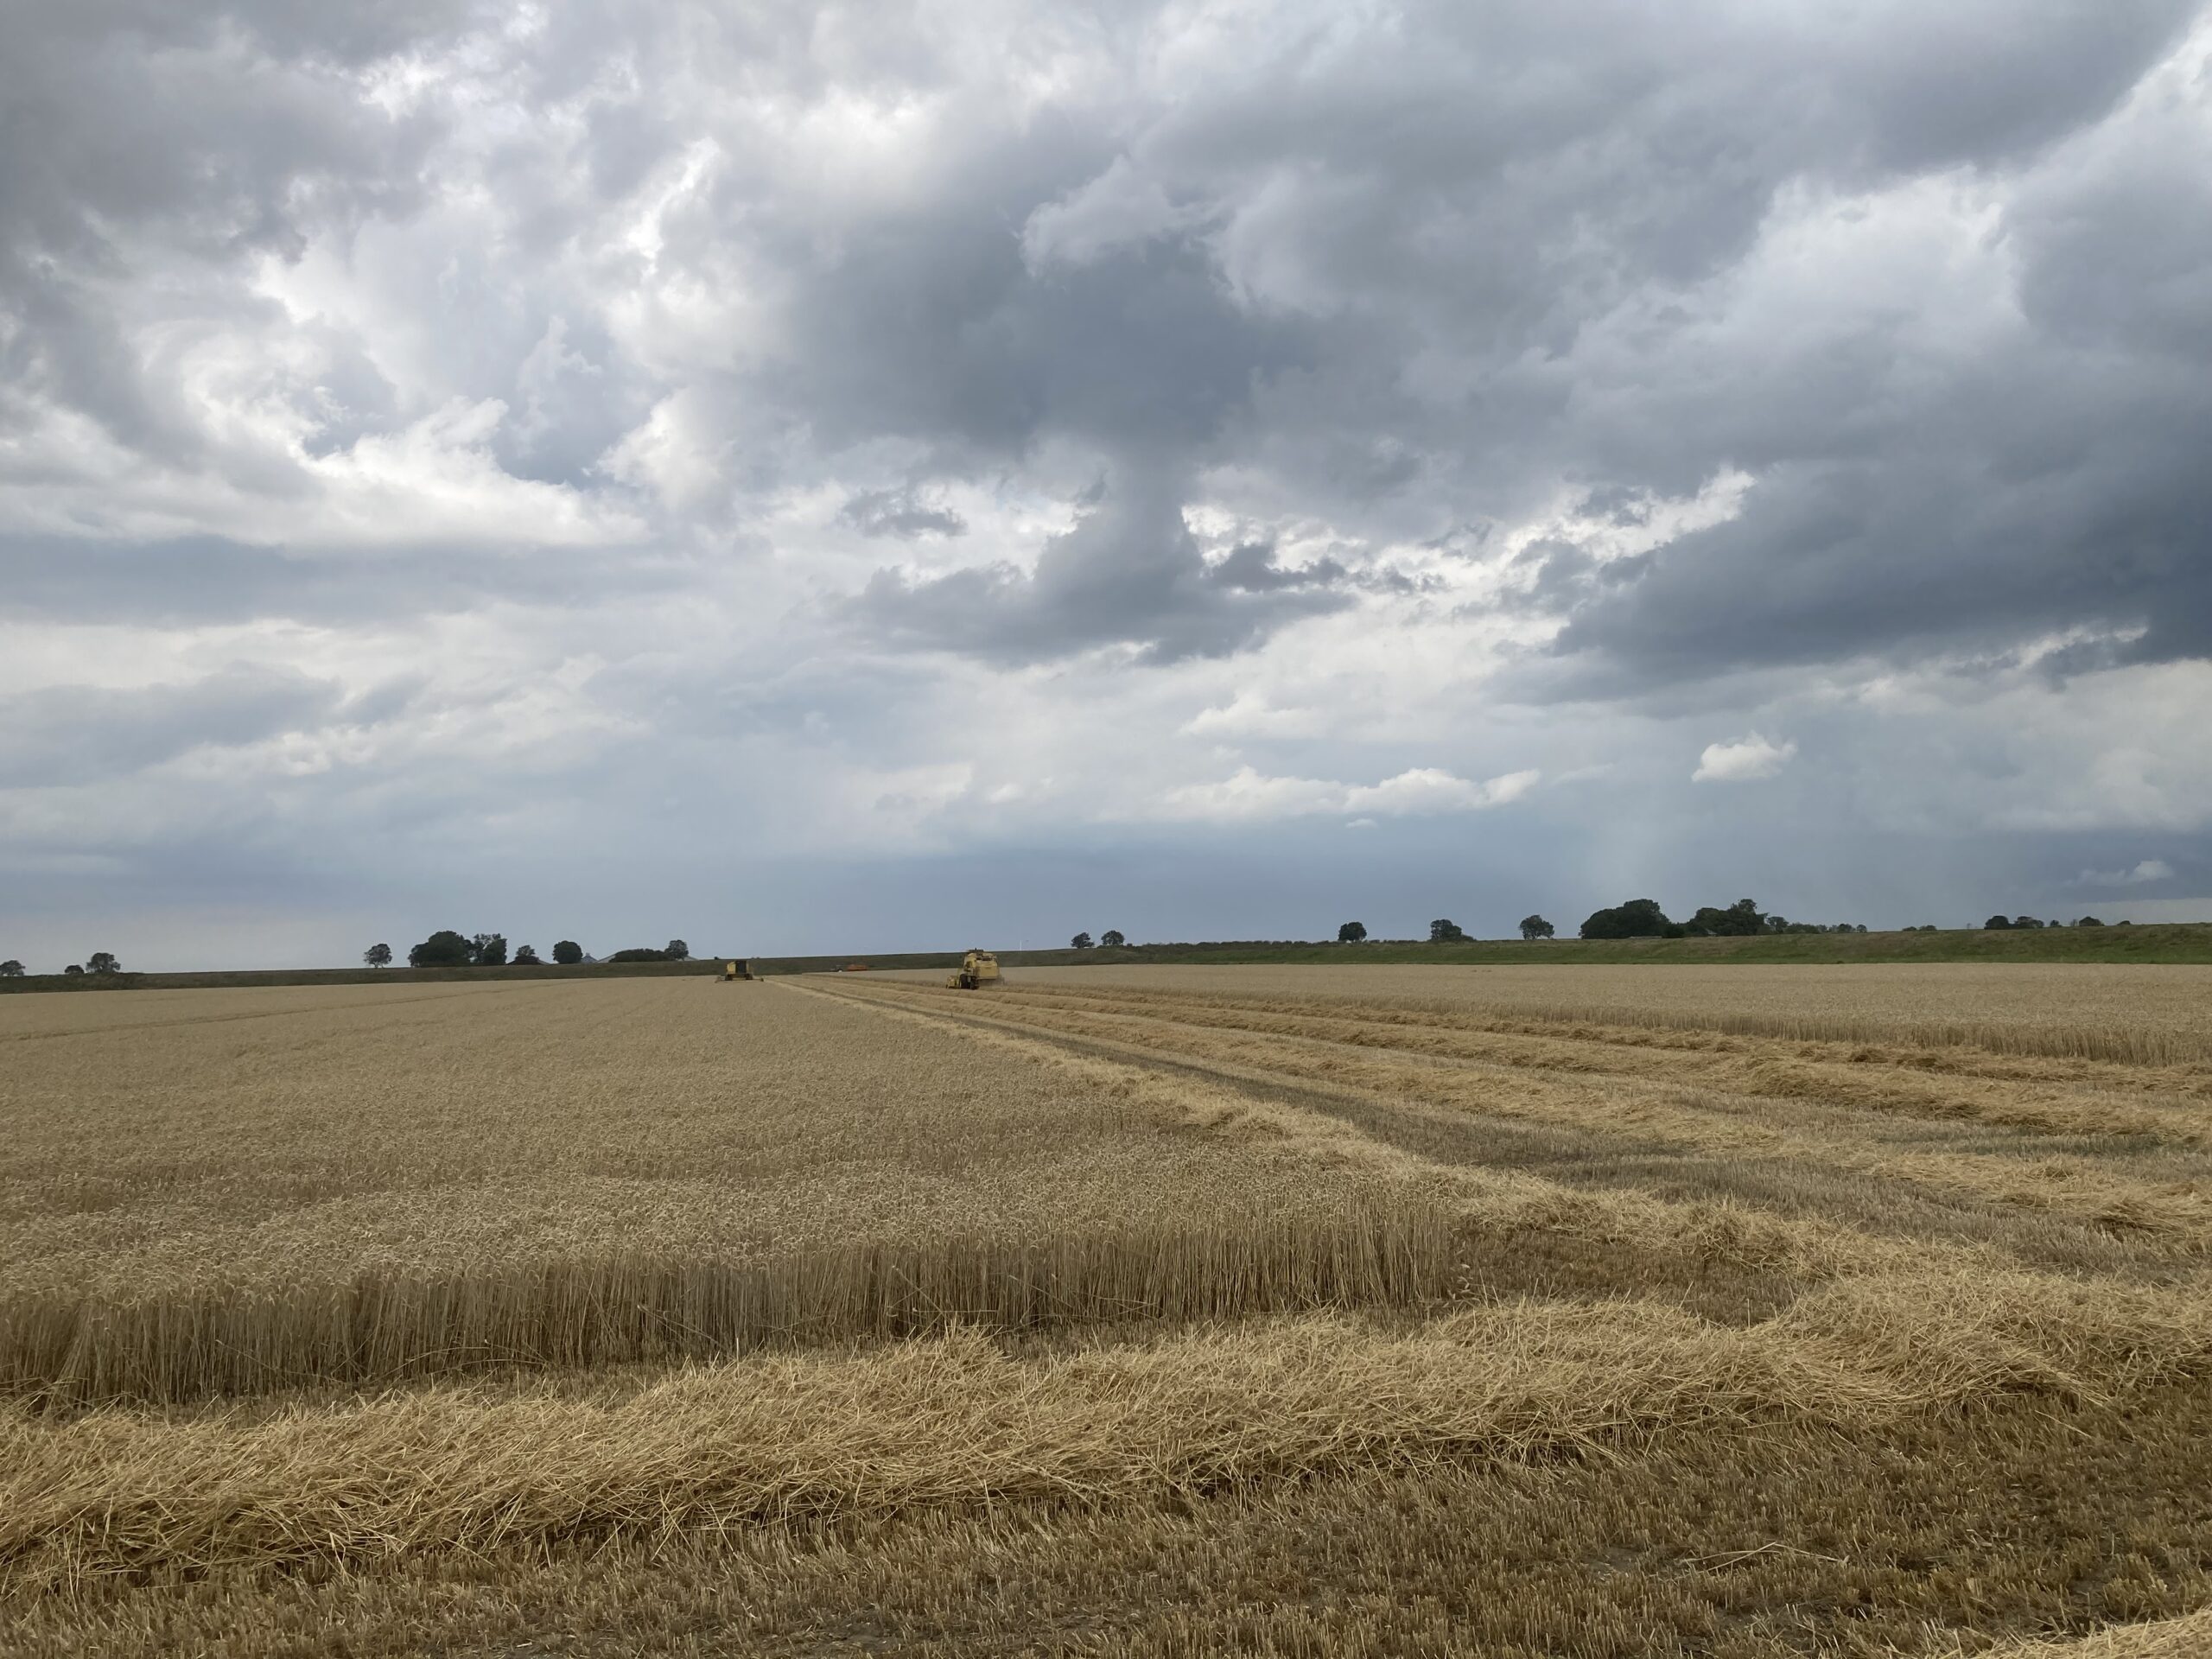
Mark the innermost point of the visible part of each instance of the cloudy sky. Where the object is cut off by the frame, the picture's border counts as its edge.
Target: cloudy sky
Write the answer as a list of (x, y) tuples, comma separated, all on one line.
[(853, 476)]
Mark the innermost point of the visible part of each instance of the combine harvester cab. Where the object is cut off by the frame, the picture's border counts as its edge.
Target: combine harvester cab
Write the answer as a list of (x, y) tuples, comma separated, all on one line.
[(978, 969), (735, 970)]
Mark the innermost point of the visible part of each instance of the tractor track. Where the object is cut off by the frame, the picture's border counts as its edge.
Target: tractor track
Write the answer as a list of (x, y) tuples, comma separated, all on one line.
[(1784, 1172)]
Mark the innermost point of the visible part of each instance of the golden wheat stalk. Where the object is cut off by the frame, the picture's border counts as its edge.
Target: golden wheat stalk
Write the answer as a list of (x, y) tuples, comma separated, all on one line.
[(199, 1340)]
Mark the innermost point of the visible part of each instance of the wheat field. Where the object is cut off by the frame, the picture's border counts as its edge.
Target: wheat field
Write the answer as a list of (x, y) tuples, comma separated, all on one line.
[(1161, 1311)]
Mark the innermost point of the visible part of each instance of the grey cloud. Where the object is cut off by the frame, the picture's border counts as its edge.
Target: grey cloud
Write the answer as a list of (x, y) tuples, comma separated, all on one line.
[(1252, 567), (934, 329), (205, 580), (1129, 573), (80, 734), (1259, 264), (901, 513), (1407, 285), (1933, 549), (136, 140)]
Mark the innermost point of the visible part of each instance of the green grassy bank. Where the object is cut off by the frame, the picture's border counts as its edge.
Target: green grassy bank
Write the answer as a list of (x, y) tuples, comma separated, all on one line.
[(2173, 943)]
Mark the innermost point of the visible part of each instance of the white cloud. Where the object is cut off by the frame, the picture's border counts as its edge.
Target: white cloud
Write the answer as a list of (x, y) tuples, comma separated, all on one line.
[(1251, 714), (1121, 207), (1248, 795), (1735, 763), (2151, 869)]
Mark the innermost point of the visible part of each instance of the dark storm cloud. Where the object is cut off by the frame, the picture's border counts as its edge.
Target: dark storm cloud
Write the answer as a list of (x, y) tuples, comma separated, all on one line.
[(1490, 195), (1252, 274), (1909, 555), (1907, 503), (1129, 573), (80, 734)]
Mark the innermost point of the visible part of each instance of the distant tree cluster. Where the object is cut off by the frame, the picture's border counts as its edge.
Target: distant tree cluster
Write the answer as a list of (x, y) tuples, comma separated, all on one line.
[(449, 949), (674, 950), (1642, 919), (1351, 933), (2000, 921), (100, 962), (443, 948), (1637, 918)]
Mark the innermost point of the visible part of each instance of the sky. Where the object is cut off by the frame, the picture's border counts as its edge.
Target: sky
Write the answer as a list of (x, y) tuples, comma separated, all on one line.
[(837, 477)]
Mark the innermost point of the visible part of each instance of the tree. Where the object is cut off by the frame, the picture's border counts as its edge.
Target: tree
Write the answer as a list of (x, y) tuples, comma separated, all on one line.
[(1740, 918), (73, 968), (2086, 921), (11, 969), (1535, 927), (1351, 932), (102, 961), (377, 956), (677, 951), (1081, 942), (640, 953), (1637, 918), (525, 956), (1112, 939), (443, 948), (568, 952), (1995, 923), (2026, 921), (1443, 930), (488, 950)]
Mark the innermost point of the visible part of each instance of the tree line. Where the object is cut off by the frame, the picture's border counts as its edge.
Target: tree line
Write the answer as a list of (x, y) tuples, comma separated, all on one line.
[(1642, 919), (100, 962), (1636, 918), (448, 948)]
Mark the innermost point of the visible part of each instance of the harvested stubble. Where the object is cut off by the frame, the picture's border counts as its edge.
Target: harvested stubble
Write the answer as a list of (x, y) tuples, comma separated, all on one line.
[(2187, 1637), (1774, 1542), (2148, 1015), (955, 1422), (2065, 1158), (1785, 1385)]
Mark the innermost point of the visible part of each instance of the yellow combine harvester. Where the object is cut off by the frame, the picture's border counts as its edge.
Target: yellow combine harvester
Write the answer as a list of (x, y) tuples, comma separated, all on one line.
[(741, 968), (977, 970)]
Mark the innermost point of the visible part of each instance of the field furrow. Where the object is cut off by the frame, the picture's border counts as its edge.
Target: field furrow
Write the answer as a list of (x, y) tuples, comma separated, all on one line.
[(2070, 1176)]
